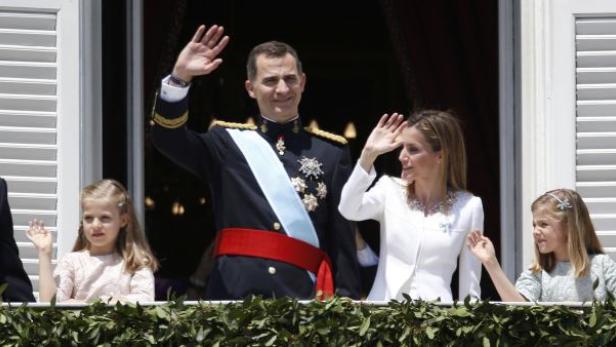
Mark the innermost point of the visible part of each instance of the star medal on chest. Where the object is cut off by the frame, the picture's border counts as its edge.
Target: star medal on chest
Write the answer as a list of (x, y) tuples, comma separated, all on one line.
[(310, 202), (280, 147), (299, 184), (321, 190), (310, 167)]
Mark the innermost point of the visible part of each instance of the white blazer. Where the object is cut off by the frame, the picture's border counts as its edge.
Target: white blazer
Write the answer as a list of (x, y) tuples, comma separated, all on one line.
[(418, 254)]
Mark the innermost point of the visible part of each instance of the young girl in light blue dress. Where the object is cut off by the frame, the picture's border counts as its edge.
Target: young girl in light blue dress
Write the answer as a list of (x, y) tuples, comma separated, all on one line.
[(569, 261)]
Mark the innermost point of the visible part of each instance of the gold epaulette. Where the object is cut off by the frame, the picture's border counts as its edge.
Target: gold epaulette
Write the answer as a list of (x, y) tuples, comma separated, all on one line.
[(170, 123), (327, 135), (233, 125)]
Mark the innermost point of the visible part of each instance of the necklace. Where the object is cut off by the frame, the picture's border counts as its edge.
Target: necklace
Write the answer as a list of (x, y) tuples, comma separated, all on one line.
[(442, 206)]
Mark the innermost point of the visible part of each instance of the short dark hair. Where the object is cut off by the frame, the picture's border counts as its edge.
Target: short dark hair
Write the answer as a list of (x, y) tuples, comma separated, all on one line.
[(274, 49)]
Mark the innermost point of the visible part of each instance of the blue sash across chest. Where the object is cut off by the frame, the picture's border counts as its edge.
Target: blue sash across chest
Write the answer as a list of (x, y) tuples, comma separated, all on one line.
[(276, 185)]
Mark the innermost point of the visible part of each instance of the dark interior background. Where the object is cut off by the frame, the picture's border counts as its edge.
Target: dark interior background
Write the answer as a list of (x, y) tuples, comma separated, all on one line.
[(362, 59)]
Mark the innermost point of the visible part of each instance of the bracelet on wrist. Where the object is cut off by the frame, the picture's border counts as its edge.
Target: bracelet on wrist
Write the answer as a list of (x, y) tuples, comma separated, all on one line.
[(176, 81)]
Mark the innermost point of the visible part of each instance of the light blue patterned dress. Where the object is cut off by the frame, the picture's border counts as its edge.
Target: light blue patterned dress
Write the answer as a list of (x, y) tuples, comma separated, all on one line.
[(561, 285)]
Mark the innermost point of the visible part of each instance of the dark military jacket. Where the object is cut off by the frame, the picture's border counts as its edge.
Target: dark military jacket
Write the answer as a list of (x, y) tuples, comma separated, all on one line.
[(19, 287), (238, 201)]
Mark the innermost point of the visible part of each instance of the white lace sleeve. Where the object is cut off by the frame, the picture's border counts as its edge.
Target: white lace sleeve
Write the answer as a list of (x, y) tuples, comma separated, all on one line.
[(64, 276), (529, 285), (141, 286)]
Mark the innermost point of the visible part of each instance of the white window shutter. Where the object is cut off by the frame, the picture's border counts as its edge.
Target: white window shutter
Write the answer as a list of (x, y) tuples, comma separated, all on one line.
[(39, 120), (596, 123), (28, 126)]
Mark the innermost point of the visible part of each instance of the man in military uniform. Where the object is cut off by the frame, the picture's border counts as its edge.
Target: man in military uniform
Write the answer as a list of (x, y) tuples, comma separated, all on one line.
[(275, 185), (12, 273)]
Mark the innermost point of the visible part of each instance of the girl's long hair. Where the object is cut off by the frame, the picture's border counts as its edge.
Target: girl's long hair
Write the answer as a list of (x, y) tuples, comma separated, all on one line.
[(131, 243), (572, 214)]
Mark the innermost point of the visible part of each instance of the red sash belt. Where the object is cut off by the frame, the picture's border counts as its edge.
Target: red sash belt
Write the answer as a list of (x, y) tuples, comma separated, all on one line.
[(279, 247)]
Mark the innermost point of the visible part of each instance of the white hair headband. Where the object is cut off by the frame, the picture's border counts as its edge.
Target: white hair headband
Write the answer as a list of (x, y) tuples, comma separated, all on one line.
[(562, 204)]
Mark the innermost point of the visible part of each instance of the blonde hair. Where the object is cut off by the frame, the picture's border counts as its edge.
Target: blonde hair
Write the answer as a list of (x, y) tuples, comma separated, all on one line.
[(131, 242), (442, 131), (569, 209)]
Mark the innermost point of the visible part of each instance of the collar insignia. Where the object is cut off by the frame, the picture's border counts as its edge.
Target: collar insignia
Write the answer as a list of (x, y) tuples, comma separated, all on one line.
[(280, 147)]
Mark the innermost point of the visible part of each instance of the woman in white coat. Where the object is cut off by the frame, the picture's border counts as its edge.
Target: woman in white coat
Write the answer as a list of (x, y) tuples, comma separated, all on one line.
[(425, 216)]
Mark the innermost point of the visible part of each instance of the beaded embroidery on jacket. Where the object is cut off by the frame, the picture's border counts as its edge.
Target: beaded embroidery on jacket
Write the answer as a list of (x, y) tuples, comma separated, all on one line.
[(444, 206)]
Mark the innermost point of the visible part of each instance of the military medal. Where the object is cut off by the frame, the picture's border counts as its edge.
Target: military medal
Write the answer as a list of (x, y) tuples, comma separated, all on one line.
[(296, 126), (298, 184), (310, 202), (321, 190), (310, 167), (280, 147)]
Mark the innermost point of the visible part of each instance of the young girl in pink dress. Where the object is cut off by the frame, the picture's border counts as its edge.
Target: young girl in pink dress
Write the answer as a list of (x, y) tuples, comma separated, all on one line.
[(111, 259)]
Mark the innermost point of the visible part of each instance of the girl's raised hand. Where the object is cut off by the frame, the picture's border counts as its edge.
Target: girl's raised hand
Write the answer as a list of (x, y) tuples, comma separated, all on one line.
[(40, 236), (481, 246)]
